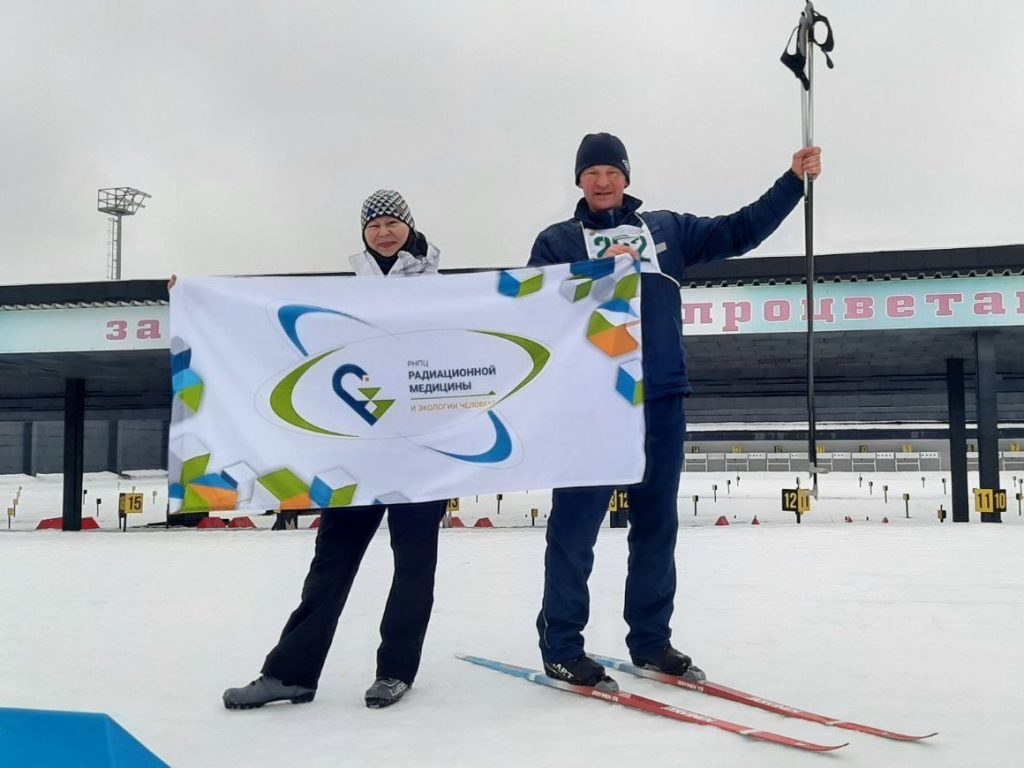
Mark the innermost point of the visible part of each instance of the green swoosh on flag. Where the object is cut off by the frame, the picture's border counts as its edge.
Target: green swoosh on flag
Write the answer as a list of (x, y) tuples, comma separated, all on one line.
[(538, 354)]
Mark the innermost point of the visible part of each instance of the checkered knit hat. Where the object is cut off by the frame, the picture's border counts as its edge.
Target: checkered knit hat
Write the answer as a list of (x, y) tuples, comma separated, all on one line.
[(386, 202)]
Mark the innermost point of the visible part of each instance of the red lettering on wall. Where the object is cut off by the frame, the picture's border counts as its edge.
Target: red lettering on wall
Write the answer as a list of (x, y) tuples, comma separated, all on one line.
[(944, 302), (702, 308), (824, 311), (777, 311), (117, 330), (989, 304), (148, 329), (899, 306), (859, 308), (736, 312)]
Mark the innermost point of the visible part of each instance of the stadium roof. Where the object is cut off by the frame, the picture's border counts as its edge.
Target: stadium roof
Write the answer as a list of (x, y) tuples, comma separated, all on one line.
[(878, 375)]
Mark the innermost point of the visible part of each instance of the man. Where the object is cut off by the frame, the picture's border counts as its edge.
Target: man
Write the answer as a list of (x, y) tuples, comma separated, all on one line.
[(607, 223)]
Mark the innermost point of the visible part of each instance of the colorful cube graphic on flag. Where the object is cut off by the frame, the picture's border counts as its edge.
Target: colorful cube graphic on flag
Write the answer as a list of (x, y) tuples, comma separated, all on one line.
[(593, 269), (281, 489), (187, 460), (595, 279), (392, 497), (630, 381), (334, 488), (519, 282), (627, 288), (576, 288), (242, 477), (186, 384), (611, 328), (210, 493)]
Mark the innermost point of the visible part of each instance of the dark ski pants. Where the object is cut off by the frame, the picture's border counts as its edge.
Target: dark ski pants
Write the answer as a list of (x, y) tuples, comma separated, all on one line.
[(341, 541), (576, 518)]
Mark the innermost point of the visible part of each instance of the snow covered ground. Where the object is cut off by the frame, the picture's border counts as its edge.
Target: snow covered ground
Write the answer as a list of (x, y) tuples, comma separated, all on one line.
[(912, 625)]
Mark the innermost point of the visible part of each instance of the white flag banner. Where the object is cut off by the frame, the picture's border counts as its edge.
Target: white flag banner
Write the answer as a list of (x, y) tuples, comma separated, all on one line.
[(307, 392)]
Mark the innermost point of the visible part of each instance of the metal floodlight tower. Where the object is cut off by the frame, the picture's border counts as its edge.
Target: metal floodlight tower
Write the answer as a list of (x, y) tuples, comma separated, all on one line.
[(118, 202)]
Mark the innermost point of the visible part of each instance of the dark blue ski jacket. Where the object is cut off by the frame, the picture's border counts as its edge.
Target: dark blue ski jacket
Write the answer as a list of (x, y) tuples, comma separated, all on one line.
[(681, 240)]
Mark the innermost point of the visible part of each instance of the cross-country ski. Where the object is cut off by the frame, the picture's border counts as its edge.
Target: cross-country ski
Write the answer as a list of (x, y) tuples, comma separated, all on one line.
[(742, 697), (650, 706)]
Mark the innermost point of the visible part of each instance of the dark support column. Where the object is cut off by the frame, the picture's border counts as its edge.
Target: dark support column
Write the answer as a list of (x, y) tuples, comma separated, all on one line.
[(112, 445), (988, 425), (74, 440), (26, 448), (957, 440)]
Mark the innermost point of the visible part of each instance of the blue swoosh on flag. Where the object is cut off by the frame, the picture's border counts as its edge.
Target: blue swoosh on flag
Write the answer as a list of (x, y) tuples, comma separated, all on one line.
[(288, 316), (500, 451)]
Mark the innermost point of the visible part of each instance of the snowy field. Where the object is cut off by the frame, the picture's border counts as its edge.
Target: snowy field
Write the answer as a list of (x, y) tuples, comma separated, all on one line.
[(911, 625)]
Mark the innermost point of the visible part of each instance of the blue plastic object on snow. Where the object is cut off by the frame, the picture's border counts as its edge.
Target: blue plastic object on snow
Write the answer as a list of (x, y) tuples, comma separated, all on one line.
[(40, 737)]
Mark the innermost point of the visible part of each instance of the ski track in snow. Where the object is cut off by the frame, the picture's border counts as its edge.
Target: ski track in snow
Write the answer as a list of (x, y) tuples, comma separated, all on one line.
[(912, 625)]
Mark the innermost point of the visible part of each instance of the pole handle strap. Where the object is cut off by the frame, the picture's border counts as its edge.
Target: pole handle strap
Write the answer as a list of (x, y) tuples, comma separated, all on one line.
[(797, 61)]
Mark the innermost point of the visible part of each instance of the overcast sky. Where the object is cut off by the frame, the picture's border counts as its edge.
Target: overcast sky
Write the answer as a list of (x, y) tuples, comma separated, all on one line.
[(258, 127)]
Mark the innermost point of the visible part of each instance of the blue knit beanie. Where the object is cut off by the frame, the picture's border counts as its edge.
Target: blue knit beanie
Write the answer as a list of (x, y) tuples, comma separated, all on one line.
[(601, 149)]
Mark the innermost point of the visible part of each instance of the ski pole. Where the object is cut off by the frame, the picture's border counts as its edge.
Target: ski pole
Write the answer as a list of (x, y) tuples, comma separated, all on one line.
[(802, 65)]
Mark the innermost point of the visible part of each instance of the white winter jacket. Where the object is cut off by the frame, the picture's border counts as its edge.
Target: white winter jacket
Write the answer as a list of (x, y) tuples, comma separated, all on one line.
[(406, 265)]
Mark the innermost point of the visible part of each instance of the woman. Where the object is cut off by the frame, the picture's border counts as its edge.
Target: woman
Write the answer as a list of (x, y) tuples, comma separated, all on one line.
[(393, 246), (292, 669)]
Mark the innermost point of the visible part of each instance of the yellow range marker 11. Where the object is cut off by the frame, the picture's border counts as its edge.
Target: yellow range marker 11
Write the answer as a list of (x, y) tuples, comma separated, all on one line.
[(988, 501)]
